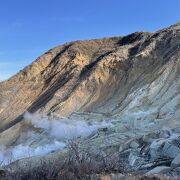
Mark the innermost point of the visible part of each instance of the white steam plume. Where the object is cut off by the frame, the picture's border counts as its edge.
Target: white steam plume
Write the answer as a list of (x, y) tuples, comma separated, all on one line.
[(65, 128), (8, 155), (58, 131)]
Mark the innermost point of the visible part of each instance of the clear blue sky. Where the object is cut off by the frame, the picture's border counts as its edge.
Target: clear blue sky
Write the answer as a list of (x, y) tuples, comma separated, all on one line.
[(30, 27)]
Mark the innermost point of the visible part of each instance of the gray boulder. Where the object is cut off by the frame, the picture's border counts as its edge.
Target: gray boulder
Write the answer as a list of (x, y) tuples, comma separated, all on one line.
[(176, 161), (156, 148), (134, 144), (170, 150), (163, 148), (159, 170)]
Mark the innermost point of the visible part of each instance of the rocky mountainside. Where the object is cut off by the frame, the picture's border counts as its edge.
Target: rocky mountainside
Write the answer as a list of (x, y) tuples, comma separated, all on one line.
[(133, 79), (138, 72)]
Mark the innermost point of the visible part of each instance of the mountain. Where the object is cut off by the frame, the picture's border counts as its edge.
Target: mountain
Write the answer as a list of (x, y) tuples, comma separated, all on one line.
[(103, 76), (133, 78)]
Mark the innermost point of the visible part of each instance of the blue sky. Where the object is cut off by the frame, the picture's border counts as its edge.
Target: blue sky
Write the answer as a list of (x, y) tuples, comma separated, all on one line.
[(28, 28)]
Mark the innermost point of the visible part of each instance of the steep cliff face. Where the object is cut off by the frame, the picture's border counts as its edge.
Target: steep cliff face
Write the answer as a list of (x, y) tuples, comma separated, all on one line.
[(138, 73)]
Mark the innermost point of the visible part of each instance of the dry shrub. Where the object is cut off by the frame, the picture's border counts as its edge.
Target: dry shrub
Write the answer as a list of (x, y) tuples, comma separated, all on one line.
[(78, 163)]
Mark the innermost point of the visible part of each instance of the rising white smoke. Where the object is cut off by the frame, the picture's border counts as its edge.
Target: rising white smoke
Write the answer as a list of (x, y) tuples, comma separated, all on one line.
[(65, 128), (8, 155), (58, 131)]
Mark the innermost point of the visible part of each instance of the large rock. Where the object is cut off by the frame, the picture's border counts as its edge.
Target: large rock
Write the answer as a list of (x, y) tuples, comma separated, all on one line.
[(134, 159), (170, 150), (156, 148), (176, 161), (159, 170), (132, 143), (163, 148)]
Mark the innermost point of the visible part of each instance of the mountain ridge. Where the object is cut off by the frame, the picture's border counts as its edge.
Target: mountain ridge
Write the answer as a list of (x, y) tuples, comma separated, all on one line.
[(48, 84)]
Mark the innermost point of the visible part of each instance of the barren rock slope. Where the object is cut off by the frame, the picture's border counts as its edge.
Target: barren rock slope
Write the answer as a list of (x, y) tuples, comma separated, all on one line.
[(134, 74)]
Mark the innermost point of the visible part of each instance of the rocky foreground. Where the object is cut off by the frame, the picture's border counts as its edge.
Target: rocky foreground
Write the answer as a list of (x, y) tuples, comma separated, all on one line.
[(120, 98)]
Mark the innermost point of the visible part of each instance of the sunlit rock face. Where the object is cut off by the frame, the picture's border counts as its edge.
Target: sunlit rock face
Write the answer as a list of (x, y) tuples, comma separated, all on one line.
[(131, 74), (131, 82)]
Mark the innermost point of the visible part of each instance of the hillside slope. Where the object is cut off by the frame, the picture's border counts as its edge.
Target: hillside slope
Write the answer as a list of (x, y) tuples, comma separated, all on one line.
[(118, 98), (138, 73)]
